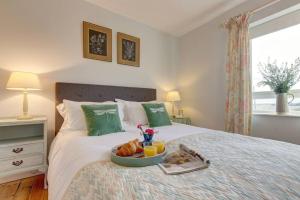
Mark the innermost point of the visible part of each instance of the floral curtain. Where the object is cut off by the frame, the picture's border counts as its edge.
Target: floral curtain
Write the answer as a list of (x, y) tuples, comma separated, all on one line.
[(238, 72)]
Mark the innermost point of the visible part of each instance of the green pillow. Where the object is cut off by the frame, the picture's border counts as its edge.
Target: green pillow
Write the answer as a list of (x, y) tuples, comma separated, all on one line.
[(102, 119), (157, 114)]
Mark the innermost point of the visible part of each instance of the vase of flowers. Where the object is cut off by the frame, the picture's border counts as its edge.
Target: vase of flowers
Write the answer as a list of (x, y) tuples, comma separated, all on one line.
[(147, 134), (281, 79)]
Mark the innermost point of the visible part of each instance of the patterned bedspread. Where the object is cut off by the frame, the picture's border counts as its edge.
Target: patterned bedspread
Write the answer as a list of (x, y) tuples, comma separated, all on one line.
[(241, 168)]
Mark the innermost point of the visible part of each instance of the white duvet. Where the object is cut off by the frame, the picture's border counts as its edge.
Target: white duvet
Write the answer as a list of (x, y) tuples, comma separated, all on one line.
[(73, 150)]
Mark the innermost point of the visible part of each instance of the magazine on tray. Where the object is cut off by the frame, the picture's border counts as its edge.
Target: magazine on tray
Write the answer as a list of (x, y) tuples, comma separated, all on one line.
[(182, 161)]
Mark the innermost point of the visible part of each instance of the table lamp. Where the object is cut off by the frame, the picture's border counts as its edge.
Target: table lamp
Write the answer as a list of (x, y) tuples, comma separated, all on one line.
[(173, 96), (23, 81)]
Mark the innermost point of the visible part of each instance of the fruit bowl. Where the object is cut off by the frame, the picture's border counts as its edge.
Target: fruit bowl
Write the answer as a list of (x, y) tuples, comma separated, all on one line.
[(137, 160)]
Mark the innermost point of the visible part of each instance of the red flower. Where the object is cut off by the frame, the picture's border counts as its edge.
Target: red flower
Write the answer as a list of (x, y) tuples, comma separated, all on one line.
[(149, 131), (139, 126)]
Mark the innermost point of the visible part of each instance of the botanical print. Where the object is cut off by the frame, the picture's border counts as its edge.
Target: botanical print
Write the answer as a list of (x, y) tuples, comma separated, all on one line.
[(128, 50), (239, 87), (97, 43)]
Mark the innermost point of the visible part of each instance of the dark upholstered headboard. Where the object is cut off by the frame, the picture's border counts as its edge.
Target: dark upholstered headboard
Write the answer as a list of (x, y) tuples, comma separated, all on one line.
[(98, 93)]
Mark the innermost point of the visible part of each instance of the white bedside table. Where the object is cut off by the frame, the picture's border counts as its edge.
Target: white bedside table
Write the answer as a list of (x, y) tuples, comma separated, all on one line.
[(23, 148)]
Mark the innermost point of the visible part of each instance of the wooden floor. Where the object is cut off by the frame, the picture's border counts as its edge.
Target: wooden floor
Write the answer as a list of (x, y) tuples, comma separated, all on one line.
[(25, 189)]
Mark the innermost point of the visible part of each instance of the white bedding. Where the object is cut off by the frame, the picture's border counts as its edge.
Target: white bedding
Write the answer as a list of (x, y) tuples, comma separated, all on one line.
[(72, 150)]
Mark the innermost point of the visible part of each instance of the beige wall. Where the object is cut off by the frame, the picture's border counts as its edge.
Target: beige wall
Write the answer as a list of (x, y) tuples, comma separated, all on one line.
[(201, 77), (45, 37)]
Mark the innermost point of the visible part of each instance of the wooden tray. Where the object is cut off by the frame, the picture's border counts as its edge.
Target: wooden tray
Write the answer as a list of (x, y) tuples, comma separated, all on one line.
[(137, 160)]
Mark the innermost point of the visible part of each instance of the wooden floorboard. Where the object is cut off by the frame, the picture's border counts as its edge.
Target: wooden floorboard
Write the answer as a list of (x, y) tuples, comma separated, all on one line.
[(31, 188)]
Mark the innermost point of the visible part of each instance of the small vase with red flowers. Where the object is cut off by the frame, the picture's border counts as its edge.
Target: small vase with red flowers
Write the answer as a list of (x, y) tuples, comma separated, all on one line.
[(147, 134)]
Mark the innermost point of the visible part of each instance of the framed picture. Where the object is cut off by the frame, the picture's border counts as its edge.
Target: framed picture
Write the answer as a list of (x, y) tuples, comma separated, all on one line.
[(97, 42), (128, 50)]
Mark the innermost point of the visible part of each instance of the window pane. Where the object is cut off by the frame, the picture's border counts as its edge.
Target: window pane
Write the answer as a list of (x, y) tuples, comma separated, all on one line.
[(264, 105), (295, 105), (282, 46), (269, 105)]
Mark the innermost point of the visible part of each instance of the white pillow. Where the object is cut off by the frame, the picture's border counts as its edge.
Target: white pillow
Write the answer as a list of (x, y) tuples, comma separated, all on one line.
[(62, 111), (134, 112), (75, 119)]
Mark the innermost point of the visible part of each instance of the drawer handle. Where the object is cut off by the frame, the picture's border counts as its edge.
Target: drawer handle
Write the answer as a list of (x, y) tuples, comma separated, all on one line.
[(17, 150), (17, 163)]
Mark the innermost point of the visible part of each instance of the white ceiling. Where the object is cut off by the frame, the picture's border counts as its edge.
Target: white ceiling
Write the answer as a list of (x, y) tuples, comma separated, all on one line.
[(176, 17)]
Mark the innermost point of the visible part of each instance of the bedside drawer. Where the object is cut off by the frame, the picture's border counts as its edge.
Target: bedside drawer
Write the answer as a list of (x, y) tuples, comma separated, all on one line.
[(21, 149), (20, 162)]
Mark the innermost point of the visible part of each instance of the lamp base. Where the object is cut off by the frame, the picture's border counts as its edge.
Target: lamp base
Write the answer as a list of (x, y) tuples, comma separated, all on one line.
[(24, 117)]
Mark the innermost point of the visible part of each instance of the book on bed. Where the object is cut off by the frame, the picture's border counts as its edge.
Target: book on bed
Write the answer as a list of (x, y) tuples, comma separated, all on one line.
[(183, 161)]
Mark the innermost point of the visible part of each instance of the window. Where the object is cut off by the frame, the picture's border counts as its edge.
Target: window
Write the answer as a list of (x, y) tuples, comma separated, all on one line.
[(282, 46)]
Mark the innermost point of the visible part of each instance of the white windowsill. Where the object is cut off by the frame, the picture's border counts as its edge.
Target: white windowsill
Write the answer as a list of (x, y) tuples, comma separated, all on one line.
[(290, 114)]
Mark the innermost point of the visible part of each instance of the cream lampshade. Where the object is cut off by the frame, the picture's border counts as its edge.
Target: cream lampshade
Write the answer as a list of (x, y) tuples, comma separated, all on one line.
[(24, 81), (173, 96)]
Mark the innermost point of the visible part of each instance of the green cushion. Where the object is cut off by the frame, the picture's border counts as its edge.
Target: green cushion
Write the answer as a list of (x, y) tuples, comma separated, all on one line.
[(102, 119), (157, 114)]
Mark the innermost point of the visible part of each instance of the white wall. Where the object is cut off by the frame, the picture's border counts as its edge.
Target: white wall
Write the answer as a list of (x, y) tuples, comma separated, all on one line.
[(45, 37), (201, 77), (277, 127)]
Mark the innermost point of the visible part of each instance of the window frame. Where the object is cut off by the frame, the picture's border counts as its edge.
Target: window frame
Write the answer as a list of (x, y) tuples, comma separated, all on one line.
[(283, 19), (271, 95)]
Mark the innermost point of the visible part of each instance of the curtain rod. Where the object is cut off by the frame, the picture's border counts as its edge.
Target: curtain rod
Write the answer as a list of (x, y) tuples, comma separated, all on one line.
[(255, 10), (266, 5)]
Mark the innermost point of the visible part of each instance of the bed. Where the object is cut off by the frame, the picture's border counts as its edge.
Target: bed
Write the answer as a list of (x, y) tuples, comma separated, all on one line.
[(241, 167)]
